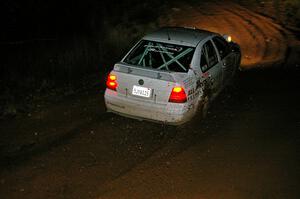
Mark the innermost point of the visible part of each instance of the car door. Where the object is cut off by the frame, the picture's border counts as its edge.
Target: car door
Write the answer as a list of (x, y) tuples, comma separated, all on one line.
[(211, 68), (227, 58)]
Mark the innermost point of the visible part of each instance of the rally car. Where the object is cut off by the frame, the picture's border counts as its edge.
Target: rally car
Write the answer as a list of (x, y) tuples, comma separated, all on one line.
[(171, 74)]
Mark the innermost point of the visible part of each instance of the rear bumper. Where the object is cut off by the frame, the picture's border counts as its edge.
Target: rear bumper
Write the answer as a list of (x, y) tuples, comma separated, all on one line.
[(171, 113)]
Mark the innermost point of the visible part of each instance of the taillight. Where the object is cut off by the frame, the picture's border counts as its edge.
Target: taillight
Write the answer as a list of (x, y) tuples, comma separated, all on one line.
[(111, 82), (177, 95)]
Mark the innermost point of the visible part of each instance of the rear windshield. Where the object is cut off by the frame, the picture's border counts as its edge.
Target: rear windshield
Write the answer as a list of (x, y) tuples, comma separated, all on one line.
[(161, 56)]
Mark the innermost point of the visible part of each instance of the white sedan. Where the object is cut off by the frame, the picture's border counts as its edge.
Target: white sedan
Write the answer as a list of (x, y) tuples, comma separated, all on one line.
[(171, 74)]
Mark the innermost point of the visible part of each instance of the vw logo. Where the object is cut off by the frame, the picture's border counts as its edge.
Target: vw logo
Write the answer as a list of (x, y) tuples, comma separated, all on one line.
[(141, 82)]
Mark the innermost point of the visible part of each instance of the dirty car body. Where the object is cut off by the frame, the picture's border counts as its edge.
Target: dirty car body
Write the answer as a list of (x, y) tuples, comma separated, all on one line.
[(171, 74)]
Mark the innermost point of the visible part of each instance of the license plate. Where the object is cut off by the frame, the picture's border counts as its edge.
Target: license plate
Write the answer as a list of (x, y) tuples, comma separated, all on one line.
[(141, 91)]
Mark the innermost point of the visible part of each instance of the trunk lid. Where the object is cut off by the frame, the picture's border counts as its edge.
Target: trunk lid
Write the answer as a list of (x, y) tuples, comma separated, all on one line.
[(147, 85)]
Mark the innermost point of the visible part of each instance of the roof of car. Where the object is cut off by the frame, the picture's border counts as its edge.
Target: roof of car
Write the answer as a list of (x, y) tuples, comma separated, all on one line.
[(179, 35)]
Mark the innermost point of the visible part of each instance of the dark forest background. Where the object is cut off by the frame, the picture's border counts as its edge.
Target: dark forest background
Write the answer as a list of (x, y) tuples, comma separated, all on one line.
[(54, 44), (62, 40)]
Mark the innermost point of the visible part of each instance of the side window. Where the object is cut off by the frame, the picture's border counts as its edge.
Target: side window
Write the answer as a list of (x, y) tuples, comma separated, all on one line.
[(211, 54), (203, 61), (222, 46)]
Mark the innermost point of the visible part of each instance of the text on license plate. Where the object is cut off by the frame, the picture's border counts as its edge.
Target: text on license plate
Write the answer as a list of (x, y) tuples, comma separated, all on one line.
[(141, 91)]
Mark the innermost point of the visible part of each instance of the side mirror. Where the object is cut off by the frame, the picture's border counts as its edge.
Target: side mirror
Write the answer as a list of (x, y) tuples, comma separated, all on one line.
[(227, 38)]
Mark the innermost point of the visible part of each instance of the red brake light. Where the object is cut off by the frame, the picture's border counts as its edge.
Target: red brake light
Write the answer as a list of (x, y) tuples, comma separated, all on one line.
[(111, 82), (177, 95)]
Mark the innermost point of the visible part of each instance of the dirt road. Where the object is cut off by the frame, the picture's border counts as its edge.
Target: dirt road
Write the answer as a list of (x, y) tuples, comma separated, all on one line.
[(247, 147)]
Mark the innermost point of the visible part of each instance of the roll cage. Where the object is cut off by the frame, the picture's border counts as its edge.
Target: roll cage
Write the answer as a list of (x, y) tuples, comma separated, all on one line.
[(161, 56)]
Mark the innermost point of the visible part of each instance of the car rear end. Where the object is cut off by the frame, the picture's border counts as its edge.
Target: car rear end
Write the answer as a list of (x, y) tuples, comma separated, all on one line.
[(148, 82), (146, 94)]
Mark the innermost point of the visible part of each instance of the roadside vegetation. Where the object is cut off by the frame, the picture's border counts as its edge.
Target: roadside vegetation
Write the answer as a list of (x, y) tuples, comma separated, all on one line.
[(293, 11), (286, 12), (53, 48)]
